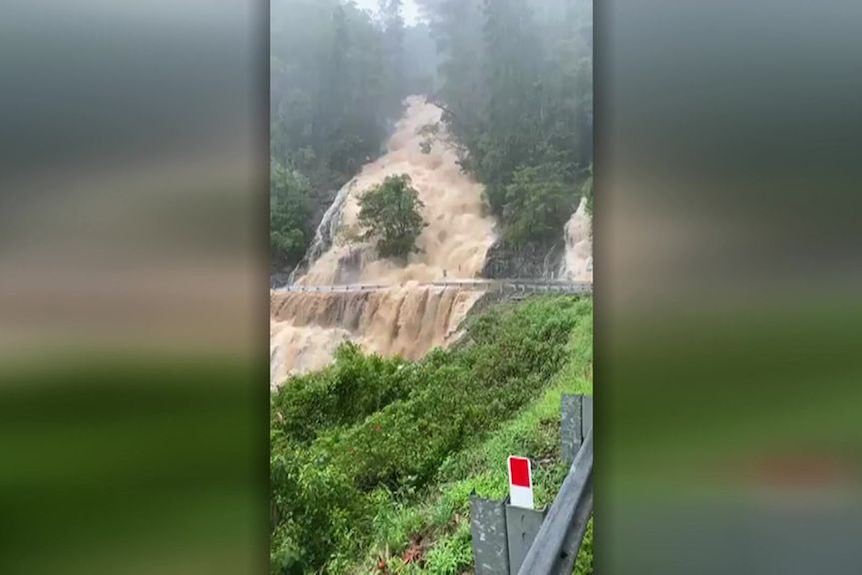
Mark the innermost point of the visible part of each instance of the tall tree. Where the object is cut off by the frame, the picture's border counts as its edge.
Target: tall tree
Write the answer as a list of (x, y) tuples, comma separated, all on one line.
[(510, 109), (457, 28), (289, 231), (393, 51), (390, 212), (516, 80)]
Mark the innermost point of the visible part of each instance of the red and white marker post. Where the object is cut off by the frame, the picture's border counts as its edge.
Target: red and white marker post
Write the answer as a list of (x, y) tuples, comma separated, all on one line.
[(520, 482)]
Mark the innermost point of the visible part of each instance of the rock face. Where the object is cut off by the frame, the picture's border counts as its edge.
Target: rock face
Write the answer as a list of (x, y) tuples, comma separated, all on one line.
[(321, 201), (567, 258), (529, 261), (278, 276), (326, 232)]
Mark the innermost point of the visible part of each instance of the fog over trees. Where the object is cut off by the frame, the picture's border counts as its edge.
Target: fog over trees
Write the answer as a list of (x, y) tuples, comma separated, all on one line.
[(514, 78)]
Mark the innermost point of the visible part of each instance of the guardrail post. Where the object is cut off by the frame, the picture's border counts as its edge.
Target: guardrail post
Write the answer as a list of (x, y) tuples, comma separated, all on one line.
[(587, 415), (576, 421), (571, 427), (490, 544), (522, 526)]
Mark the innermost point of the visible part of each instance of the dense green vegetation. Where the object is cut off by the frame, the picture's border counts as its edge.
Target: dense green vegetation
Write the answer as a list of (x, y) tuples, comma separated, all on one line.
[(516, 81), (289, 229), (390, 213), (538, 203), (373, 459)]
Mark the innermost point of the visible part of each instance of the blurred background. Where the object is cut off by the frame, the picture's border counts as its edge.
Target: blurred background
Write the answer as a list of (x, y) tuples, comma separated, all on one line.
[(133, 287), (728, 246)]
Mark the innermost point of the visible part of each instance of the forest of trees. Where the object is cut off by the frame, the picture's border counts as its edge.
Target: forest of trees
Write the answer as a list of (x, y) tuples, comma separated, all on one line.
[(514, 78), (516, 82)]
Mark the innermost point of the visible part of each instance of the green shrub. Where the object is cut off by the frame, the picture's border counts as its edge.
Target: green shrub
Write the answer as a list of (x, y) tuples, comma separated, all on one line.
[(318, 508), (354, 386), (538, 202), (390, 212)]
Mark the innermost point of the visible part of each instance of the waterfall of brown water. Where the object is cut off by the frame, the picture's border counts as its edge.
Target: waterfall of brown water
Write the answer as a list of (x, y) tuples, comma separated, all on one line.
[(458, 233), (409, 321), (406, 319)]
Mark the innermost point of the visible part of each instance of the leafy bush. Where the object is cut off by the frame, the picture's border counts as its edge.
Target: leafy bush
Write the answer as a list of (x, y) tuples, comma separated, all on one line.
[(318, 509), (390, 213), (353, 387), (538, 202)]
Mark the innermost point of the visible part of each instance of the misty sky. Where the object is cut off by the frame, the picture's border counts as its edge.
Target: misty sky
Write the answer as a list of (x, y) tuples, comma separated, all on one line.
[(410, 10)]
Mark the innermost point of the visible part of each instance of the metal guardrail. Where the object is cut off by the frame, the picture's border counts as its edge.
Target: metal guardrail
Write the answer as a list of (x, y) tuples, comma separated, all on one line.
[(514, 285), (556, 545)]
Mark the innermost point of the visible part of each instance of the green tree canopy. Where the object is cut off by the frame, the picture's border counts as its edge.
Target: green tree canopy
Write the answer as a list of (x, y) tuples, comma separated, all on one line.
[(390, 212), (538, 202), (288, 214), (516, 83)]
